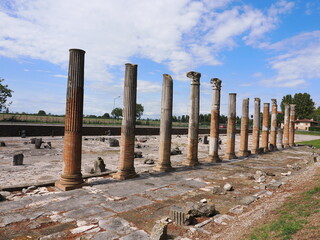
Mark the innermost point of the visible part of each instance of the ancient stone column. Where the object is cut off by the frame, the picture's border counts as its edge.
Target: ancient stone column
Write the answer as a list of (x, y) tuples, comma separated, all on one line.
[(244, 129), (273, 131), (164, 163), (280, 139), (71, 178), (214, 125), (127, 139), (256, 127), (192, 151), (231, 127), (292, 124), (265, 128), (286, 125)]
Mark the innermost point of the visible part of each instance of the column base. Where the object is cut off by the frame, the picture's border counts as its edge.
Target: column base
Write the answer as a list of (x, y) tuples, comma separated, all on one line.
[(212, 158), (163, 168), (123, 175), (244, 153), (292, 145), (69, 182), (230, 156), (265, 150), (191, 162), (254, 151)]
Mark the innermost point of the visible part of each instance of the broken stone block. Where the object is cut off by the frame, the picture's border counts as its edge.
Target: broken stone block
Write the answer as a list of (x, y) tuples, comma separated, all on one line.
[(218, 190), (99, 165), (138, 154), (237, 209), (228, 187), (113, 142), (102, 139), (18, 159), (200, 209), (149, 161), (286, 174), (220, 219), (179, 216), (2, 144), (205, 140), (176, 151), (159, 231), (37, 143), (274, 184), (32, 140), (247, 200), (48, 145)]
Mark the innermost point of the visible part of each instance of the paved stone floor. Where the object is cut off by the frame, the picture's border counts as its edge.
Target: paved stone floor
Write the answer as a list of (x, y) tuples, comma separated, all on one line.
[(109, 209)]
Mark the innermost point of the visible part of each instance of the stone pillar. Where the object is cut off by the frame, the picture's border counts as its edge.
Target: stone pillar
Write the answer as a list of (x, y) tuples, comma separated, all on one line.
[(231, 128), (192, 152), (292, 124), (286, 125), (273, 131), (214, 125), (164, 163), (71, 178), (265, 127), (244, 129), (256, 127), (280, 139), (127, 139)]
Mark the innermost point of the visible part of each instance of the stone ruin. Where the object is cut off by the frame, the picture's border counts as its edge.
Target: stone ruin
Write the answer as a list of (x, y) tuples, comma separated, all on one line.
[(272, 139)]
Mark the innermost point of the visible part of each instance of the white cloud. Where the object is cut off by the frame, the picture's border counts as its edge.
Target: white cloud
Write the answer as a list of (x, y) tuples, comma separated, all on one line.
[(299, 61), (257, 74), (60, 76)]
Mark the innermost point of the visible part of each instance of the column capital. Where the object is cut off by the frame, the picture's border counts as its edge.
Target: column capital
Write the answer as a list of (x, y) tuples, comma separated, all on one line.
[(257, 99), (293, 106), (216, 83), (167, 76), (274, 101), (195, 77)]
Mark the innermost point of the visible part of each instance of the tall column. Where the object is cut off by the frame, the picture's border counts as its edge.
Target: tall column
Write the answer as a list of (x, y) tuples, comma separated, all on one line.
[(280, 139), (265, 127), (244, 129), (214, 125), (273, 131), (71, 178), (256, 127), (164, 163), (286, 125), (127, 139), (292, 124), (231, 128), (192, 152)]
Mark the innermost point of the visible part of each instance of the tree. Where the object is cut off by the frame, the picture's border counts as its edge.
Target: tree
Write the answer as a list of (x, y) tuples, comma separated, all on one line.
[(304, 105), (5, 93), (116, 113), (42, 113), (106, 115), (288, 99), (139, 110)]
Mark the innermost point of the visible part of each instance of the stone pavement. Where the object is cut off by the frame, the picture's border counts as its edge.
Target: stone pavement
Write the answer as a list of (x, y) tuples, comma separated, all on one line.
[(111, 209)]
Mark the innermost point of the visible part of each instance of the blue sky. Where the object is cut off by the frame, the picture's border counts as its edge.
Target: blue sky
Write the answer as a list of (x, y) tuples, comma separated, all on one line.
[(258, 48)]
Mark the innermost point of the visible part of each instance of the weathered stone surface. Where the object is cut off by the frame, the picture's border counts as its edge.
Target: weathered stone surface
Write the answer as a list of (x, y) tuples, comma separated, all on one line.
[(113, 142), (149, 161), (218, 190), (159, 231), (237, 209), (179, 216), (200, 209), (274, 184), (176, 151), (247, 200), (228, 187), (37, 143), (18, 159), (99, 165), (220, 219)]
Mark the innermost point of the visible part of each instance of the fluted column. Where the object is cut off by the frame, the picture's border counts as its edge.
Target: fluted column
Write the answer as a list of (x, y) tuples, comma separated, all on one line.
[(214, 124), (286, 125), (164, 163), (127, 139), (244, 129), (256, 127), (231, 127), (71, 178), (265, 127), (192, 151), (292, 124), (273, 131)]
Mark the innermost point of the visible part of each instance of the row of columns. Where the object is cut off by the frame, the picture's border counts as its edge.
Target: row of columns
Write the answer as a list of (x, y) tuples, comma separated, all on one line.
[(71, 177)]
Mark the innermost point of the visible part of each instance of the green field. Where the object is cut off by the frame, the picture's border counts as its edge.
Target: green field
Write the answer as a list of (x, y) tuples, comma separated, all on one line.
[(315, 143)]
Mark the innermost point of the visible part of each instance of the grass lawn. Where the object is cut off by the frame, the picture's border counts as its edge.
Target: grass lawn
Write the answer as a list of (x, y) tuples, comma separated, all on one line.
[(315, 143), (314, 133)]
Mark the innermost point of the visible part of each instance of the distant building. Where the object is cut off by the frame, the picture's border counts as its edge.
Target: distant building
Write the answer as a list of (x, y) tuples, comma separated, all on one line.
[(305, 124)]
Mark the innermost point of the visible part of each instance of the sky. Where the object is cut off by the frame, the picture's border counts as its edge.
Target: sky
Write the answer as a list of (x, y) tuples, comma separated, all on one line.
[(258, 48)]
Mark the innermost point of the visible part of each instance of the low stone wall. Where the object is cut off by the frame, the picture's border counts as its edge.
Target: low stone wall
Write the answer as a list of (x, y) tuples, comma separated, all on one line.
[(14, 130)]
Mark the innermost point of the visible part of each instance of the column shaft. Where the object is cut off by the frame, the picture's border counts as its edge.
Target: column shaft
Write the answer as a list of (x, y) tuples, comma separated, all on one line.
[(214, 124), (265, 127), (292, 124), (273, 131), (127, 140), (71, 178), (244, 129), (256, 127), (192, 151), (164, 163), (286, 125), (231, 128)]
